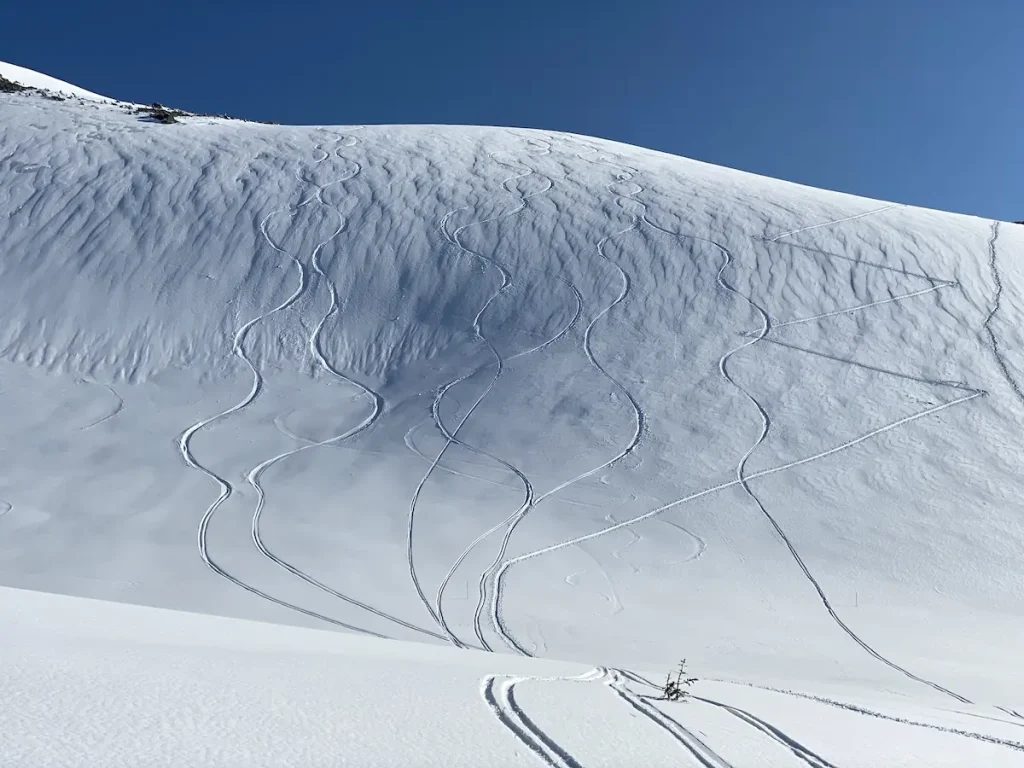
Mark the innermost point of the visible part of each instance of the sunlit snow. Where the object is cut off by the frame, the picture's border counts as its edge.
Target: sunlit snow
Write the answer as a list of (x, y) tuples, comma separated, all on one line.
[(506, 390)]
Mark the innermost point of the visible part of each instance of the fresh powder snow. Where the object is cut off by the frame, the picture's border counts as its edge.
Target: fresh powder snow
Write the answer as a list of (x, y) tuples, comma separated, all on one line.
[(440, 446)]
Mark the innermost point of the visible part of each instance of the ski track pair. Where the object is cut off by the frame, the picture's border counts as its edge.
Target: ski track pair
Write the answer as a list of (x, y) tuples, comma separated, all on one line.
[(500, 699), (254, 475), (499, 567), (742, 477)]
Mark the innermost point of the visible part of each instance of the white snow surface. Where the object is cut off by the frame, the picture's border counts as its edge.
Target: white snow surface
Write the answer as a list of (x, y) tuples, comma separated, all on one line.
[(506, 390), (33, 79)]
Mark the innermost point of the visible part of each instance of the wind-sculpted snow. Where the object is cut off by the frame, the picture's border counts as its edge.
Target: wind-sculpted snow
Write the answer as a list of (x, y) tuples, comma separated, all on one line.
[(514, 389)]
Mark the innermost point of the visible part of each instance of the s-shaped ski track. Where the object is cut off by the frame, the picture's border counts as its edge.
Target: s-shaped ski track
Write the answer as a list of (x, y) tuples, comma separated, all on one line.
[(316, 350), (451, 437), (490, 574)]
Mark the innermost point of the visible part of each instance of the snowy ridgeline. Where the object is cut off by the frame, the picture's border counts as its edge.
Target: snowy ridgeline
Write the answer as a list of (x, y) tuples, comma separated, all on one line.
[(518, 391)]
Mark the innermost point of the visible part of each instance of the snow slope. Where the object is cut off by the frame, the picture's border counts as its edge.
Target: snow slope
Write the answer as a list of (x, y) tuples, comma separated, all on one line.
[(517, 391), (131, 686), (32, 79)]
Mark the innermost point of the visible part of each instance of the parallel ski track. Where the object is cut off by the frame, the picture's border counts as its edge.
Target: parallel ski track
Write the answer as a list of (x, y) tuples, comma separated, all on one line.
[(528, 487), (631, 445), (741, 475), (743, 479), (376, 400), (509, 564), (687, 739), (1011, 713), (451, 436), (506, 709), (500, 699), (803, 753), (766, 327), (774, 733), (1010, 744), (996, 303), (225, 487)]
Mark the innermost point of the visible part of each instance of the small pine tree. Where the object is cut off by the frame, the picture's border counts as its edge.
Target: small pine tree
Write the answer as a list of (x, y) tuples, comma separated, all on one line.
[(673, 690)]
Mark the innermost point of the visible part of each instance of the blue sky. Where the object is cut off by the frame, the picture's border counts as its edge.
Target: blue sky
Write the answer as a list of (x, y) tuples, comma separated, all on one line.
[(917, 101)]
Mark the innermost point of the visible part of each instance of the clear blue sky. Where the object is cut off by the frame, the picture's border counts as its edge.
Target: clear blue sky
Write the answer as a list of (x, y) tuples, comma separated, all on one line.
[(918, 101)]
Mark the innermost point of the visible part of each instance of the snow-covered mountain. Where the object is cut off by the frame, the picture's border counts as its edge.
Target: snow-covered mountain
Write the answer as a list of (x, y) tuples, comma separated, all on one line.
[(510, 390)]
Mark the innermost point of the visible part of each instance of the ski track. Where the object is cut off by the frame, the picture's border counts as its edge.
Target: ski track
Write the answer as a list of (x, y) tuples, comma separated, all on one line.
[(742, 479), (852, 260), (992, 719), (225, 487), (617, 553), (503, 571), (1011, 713), (118, 407), (996, 302), (511, 715), (803, 753), (702, 545), (1014, 745), (766, 426), (414, 449), (493, 571), (612, 599), (873, 211), (451, 437), (378, 407), (859, 307), (687, 740), (514, 725), (741, 476), (503, 703), (508, 712), (962, 386)]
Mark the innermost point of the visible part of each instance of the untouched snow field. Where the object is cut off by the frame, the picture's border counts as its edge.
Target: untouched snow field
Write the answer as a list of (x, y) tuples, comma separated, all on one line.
[(503, 390)]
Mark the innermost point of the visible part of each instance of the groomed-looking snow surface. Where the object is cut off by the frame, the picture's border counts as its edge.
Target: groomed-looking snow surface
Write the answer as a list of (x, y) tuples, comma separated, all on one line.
[(518, 391)]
